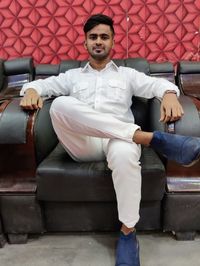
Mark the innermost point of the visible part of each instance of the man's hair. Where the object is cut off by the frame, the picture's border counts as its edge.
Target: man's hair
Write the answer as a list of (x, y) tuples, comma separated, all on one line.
[(97, 19)]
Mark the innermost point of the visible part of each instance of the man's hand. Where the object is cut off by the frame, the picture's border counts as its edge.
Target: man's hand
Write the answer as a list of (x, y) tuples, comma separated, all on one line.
[(170, 110), (31, 100)]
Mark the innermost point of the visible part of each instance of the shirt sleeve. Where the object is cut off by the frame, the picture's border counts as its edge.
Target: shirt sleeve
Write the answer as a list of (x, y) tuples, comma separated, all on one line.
[(149, 87), (52, 86)]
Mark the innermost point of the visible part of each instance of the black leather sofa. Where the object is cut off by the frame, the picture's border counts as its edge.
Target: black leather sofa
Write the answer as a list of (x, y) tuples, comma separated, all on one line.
[(181, 204), (43, 190)]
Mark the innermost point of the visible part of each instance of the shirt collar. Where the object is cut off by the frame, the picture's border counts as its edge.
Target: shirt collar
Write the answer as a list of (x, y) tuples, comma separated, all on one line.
[(110, 65)]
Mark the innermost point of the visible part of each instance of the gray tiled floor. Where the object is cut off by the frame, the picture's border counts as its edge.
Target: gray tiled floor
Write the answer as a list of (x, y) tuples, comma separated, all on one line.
[(157, 249)]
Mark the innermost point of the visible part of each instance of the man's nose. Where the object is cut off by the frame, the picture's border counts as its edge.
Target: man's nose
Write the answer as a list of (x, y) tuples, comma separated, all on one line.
[(98, 40)]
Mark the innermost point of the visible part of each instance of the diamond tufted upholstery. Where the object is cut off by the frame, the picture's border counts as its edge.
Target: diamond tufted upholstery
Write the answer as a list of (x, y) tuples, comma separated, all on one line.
[(51, 31)]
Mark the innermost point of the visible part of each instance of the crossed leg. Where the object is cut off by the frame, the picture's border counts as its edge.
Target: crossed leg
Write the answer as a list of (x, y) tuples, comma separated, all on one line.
[(91, 136)]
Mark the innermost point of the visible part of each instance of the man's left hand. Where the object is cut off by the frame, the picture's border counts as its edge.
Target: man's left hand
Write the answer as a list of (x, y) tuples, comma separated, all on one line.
[(171, 109)]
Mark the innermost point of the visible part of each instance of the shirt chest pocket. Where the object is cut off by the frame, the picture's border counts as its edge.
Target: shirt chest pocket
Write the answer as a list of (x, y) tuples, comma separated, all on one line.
[(80, 90), (117, 90)]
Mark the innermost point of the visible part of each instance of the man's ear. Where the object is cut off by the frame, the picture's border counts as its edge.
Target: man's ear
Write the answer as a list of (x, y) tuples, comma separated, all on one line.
[(85, 45), (113, 44)]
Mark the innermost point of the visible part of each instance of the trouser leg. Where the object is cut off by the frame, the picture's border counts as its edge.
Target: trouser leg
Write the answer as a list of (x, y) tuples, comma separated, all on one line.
[(123, 160), (80, 147), (80, 118)]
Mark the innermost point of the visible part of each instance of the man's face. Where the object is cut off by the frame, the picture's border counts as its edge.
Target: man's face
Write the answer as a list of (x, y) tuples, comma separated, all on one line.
[(99, 42)]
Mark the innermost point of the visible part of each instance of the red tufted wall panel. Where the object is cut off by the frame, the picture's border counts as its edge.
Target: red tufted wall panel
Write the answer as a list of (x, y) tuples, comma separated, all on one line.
[(50, 31)]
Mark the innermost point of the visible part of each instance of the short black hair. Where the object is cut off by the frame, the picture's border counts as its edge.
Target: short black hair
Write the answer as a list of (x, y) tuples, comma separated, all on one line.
[(97, 19)]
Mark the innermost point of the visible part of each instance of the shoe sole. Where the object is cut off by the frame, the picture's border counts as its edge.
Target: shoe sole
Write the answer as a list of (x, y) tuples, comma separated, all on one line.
[(192, 163)]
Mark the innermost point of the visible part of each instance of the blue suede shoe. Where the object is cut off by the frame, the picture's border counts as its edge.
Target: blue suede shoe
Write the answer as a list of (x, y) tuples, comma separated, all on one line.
[(127, 253), (182, 149)]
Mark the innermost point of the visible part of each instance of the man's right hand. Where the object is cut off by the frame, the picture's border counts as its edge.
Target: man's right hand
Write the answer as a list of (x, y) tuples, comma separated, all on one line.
[(31, 100)]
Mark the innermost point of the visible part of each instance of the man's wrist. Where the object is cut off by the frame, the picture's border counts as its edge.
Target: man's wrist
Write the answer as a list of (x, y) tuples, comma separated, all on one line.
[(169, 92)]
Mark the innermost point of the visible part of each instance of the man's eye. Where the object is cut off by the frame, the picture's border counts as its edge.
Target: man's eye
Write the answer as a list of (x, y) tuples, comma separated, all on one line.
[(93, 37), (105, 37)]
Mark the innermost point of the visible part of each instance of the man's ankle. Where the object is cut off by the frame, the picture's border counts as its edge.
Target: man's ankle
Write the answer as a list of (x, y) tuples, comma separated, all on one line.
[(142, 137), (125, 230)]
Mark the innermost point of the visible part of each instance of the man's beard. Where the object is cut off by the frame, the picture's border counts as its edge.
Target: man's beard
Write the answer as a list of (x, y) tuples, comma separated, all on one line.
[(99, 56)]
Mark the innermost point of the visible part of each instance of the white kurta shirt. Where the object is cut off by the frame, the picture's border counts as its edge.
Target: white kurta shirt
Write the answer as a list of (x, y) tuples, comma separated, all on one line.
[(109, 90)]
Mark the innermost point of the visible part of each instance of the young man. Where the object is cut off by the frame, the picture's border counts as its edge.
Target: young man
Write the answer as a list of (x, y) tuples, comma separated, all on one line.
[(93, 121)]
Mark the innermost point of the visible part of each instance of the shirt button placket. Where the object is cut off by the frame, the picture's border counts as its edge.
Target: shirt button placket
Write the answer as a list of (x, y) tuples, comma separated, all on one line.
[(98, 92)]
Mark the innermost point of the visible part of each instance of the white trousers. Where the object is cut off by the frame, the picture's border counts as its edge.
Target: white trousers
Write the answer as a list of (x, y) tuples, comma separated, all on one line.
[(89, 135)]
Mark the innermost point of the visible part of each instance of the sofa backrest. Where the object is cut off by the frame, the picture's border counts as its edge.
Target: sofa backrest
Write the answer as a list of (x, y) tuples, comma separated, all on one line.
[(188, 78), (140, 64), (68, 64), (17, 72), (162, 70), (43, 71)]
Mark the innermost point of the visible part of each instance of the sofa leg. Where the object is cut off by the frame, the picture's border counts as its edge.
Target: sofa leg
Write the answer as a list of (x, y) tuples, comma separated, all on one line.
[(2, 240), (17, 238), (184, 236)]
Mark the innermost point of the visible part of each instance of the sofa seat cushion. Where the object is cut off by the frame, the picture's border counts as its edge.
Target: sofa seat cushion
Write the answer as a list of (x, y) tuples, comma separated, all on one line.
[(60, 178)]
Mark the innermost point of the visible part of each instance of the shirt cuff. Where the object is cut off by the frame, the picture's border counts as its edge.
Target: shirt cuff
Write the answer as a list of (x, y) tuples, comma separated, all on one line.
[(174, 90)]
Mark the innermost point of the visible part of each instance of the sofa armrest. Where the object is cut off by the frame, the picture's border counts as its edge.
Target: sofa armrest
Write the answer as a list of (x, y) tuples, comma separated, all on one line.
[(189, 124), (44, 135)]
